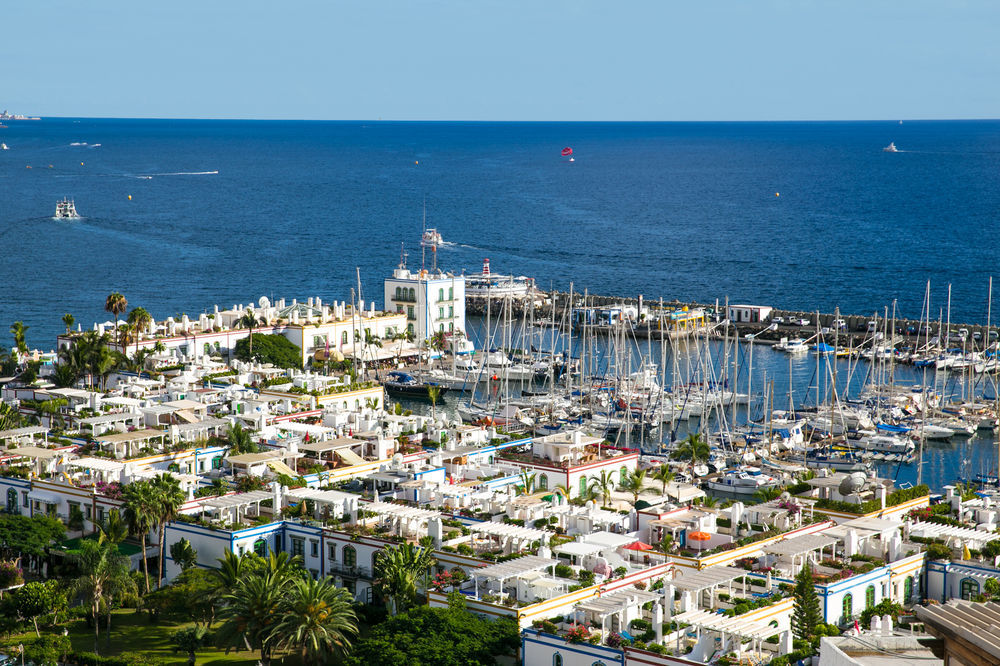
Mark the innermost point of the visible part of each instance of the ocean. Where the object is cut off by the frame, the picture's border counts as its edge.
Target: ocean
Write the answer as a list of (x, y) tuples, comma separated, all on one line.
[(803, 215)]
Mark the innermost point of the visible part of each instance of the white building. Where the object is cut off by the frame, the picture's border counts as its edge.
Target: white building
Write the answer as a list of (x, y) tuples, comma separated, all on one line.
[(433, 302)]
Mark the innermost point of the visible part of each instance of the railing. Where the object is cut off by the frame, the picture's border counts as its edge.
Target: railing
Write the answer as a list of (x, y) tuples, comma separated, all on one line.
[(351, 571)]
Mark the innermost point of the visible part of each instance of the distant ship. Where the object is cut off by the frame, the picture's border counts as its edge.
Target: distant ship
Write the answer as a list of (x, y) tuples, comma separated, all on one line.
[(891, 148), (3, 146), (431, 238), (66, 209)]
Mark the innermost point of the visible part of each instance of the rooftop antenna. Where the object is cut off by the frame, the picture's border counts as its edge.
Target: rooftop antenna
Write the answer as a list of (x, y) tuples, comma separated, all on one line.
[(402, 256)]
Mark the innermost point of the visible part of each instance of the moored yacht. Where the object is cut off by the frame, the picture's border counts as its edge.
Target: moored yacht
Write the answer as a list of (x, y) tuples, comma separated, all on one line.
[(744, 481)]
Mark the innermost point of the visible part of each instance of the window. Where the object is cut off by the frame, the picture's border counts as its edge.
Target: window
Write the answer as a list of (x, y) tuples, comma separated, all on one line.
[(11, 500), (908, 589), (413, 295), (314, 548), (451, 311), (350, 556), (398, 297), (441, 327), (440, 313), (970, 588), (409, 329), (315, 573), (583, 486), (217, 462), (332, 552), (298, 546), (543, 482), (557, 659), (870, 597), (343, 338), (441, 294), (848, 607), (409, 312), (350, 586), (100, 514), (260, 547), (451, 327), (319, 341), (451, 293), (24, 499)]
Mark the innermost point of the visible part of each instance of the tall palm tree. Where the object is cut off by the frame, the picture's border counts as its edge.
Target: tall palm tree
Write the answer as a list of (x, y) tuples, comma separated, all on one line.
[(694, 448), (68, 320), (19, 330), (125, 334), (116, 304), (141, 514), (664, 475), (250, 321), (167, 498), (397, 571), (602, 485), (634, 483), (318, 619), (104, 572), (433, 392), (139, 319)]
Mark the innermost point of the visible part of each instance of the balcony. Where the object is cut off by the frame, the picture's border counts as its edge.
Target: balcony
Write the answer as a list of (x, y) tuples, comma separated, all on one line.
[(349, 571)]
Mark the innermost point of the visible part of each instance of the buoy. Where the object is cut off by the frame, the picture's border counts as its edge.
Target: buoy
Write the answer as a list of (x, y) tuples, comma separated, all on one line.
[(416, 161), (28, 166), (777, 194), (130, 197), (50, 166), (81, 163)]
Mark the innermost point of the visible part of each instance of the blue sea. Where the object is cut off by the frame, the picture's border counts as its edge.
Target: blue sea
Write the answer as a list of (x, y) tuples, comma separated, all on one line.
[(805, 215)]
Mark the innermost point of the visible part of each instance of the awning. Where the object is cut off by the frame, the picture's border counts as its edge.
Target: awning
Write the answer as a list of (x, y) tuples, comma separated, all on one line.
[(281, 468), (349, 457)]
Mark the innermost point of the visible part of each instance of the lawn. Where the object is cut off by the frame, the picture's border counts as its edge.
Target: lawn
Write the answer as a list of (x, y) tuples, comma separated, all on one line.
[(133, 632)]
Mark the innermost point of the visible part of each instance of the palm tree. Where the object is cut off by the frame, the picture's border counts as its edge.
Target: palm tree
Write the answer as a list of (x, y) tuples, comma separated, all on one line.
[(116, 305), (240, 440), (528, 481), (113, 529), (125, 333), (167, 500), (664, 475), (139, 319), (433, 392), (602, 485), (767, 494), (189, 640), (634, 482), (318, 619), (104, 572), (141, 513), (397, 571), (694, 448), (18, 330), (250, 321), (68, 320), (184, 554)]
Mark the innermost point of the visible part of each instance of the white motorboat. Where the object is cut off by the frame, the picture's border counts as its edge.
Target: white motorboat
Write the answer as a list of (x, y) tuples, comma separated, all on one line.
[(431, 238), (891, 148), (793, 346), (745, 481), (3, 146), (66, 209)]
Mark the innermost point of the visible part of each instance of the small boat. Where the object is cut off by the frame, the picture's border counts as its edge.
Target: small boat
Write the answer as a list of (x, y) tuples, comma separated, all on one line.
[(3, 146), (66, 209), (402, 383), (891, 148), (793, 346), (431, 238), (745, 481)]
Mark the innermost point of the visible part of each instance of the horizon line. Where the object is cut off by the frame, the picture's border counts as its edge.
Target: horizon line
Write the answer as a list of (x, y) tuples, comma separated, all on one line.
[(459, 120)]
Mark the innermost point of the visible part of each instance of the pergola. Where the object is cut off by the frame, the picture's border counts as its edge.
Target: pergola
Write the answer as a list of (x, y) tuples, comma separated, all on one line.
[(337, 502), (404, 520), (756, 631), (512, 569), (19, 434), (129, 440), (511, 538), (800, 547), (609, 540), (577, 549), (975, 539), (133, 419), (709, 579), (314, 431), (235, 507), (102, 468), (40, 458), (199, 429), (616, 605), (340, 448)]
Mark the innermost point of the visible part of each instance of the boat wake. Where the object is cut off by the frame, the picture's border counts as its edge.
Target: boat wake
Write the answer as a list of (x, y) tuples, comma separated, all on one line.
[(84, 144), (147, 176)]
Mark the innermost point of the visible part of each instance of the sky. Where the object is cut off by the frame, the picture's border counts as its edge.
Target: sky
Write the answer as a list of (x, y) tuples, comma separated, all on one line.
[(503, 59)]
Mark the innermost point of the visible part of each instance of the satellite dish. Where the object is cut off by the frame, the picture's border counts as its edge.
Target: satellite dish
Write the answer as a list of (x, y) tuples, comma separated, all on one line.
[(264, 302), (853, 483)]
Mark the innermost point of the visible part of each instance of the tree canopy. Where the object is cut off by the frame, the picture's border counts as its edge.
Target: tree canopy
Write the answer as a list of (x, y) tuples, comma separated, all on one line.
[(275, 349), (28, 536), (436, 637)]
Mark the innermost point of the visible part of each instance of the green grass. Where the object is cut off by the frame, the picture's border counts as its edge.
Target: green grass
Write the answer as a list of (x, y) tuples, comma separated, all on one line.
[(133, 632), (125, 548)]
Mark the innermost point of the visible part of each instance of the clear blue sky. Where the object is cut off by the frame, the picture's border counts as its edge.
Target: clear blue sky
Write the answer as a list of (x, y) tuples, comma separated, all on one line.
[(503, 59)]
